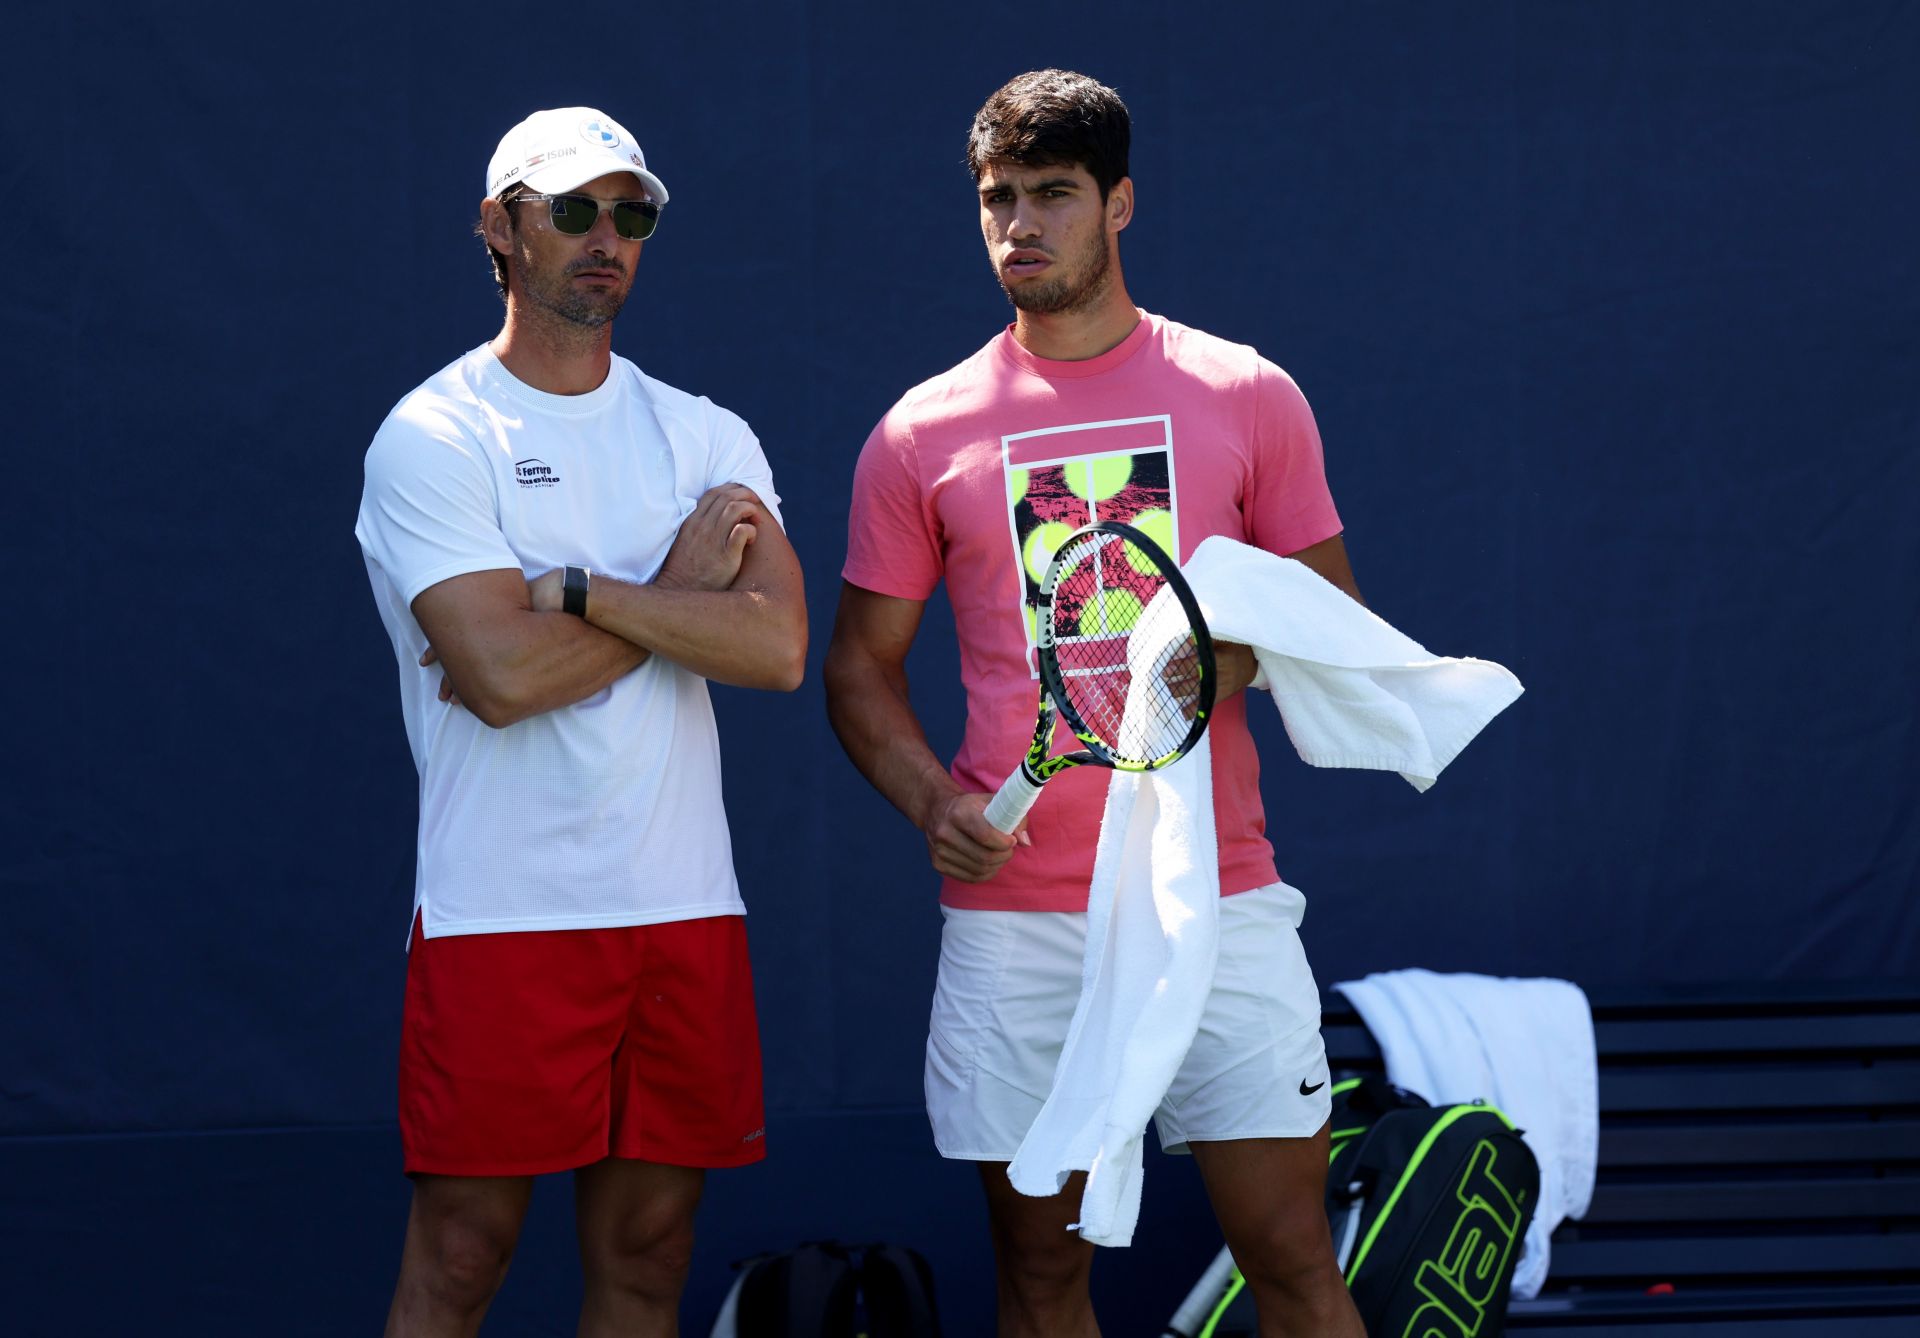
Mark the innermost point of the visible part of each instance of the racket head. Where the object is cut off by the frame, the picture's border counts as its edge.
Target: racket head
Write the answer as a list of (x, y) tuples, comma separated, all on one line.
[(1123, 649)]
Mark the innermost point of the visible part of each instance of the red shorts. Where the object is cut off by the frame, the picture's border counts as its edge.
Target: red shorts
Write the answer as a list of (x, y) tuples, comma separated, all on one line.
[(534, 1052)]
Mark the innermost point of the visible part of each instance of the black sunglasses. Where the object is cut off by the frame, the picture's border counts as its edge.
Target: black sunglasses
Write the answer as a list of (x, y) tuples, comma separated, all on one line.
[(633, 220)]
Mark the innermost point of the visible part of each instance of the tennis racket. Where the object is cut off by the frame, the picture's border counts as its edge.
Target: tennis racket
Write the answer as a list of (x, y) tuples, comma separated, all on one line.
[(1124, 658)]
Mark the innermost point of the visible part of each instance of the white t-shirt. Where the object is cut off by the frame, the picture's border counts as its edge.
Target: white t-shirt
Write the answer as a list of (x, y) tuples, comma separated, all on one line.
[(606, 812)]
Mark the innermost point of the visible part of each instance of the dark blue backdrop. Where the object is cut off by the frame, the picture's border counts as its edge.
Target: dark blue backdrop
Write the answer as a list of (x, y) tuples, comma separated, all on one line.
[(1608, 313)]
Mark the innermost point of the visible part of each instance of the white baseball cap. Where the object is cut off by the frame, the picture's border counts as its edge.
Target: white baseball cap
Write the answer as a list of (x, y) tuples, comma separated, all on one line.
[(563, 149)]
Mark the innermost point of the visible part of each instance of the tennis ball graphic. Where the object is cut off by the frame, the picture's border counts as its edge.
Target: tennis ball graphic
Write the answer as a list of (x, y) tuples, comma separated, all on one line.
[(1040, 547), (1109, 612), (1156, 525), (1099, 478)]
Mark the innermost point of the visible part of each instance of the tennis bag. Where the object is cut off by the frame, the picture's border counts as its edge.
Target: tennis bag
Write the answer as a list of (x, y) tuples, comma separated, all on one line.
[(824, 1289), (1428, 1206), (1428, 1217), (1358, 1105)]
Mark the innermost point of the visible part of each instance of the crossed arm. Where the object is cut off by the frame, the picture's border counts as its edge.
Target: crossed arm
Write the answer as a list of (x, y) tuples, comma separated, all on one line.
[(728, 604), (869, 707)]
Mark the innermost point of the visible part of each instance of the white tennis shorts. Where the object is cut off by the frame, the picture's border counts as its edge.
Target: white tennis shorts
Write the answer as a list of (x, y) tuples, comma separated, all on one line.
[(1008, 984)]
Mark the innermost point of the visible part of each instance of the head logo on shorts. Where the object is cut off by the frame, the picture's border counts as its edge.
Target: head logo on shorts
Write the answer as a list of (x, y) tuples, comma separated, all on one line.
[(599, 132)]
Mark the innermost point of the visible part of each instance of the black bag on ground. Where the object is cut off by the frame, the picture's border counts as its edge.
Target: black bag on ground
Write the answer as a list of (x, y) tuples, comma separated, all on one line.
[(1358, 1105), (897, 1285), (1428, 1220), (824, 1289), (1428, 1206)]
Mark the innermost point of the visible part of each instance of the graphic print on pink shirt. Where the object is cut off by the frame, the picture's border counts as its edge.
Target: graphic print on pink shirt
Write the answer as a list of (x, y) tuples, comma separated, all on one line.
[(974, 476), (1061, 478)]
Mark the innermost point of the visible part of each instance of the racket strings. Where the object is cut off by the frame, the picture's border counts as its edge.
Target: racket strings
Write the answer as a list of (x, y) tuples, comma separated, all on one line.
[(1132, 677)]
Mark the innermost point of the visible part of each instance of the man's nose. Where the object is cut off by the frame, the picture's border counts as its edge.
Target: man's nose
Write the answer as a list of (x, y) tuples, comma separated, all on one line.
[(1025, 222), (602, 240)]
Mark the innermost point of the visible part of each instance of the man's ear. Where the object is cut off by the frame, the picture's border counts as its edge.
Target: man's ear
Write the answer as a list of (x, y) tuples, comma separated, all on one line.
[(1120, 204), (496, 225)]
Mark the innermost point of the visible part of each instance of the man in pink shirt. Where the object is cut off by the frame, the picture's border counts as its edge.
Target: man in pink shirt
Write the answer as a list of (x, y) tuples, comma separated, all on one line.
[(1086, 408)]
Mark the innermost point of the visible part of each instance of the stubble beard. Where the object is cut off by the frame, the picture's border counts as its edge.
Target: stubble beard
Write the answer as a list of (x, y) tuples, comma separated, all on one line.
[(557, 296), (1058, 297)]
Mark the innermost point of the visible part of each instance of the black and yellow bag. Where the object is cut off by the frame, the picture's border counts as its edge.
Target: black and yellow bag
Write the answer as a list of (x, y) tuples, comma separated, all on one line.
[(1434, 1212), (1358, 1105), (1428, 1207)]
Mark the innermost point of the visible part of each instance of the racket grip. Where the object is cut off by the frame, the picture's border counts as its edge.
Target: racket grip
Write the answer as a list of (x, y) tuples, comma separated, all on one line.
[(1015, 797)]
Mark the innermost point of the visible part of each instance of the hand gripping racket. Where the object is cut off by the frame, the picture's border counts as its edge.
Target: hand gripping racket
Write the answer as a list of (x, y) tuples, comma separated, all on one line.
[(1124, 657)]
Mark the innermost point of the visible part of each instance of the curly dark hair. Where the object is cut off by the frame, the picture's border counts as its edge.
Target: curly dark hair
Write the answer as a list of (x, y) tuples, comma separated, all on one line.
[(1053, 116)]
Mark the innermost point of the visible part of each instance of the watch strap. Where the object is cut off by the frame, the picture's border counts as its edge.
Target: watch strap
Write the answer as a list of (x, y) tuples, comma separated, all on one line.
[(573, 591)]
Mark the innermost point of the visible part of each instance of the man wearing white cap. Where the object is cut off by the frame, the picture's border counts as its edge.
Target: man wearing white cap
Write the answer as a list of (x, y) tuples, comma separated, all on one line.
[(563, 551)]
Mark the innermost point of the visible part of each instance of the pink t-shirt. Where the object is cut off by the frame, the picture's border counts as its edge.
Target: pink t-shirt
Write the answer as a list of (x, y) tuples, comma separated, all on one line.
[(975, 475)]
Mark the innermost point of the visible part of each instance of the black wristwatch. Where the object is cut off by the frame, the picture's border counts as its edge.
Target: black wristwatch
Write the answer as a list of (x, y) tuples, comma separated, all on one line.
[(573, 591)]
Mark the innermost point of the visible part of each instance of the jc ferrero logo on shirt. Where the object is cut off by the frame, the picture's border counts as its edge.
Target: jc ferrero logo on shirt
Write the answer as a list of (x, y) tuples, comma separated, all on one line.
[(532, 473)]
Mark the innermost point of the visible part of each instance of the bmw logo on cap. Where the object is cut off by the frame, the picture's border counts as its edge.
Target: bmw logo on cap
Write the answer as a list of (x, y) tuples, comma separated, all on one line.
[(599, 132)]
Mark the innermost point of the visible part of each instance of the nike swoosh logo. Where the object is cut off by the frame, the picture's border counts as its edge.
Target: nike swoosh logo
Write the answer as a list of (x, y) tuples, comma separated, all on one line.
[(1309, 1091)]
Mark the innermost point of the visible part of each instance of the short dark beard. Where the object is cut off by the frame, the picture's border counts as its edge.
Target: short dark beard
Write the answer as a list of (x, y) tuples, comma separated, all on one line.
[(590, 311), (1058, 297)]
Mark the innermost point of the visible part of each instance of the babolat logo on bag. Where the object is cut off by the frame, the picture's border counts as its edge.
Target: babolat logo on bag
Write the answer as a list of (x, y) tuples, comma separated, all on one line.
[(1430, 1219), (534, 474), (1428, 1207)]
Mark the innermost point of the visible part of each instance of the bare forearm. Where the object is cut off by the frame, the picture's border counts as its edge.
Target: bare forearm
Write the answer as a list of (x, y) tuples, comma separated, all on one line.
[(867, 702), (1328, 560), (746, 637), (869, 709), (548, 660)]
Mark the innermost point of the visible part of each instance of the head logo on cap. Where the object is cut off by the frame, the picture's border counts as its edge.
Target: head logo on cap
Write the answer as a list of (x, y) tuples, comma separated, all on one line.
[(599, 132)]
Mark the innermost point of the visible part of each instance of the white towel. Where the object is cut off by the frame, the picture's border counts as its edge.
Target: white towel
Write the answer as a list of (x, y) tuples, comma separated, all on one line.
[(1153, 931), (1353, 693), (1524, 1045)]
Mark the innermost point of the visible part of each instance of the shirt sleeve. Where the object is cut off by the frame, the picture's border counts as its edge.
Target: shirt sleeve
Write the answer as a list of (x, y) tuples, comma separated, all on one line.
[(737, 458), (1288, 506), (893, 543), (427, 511)]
